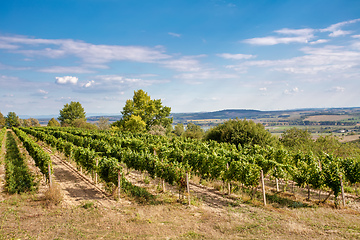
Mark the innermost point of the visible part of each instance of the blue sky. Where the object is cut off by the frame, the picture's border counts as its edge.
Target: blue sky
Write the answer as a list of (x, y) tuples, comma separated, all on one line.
[(194, 55)]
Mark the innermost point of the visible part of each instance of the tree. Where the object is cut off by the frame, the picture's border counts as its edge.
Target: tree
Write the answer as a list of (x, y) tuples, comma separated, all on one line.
[(81, 123), (135, 124), (179, 129), (2, 120), (53, 123), (296, 139), (12, 120), (193, 131), (70, 113), (241, 132), (151, 112), (31, 122), (103, 123)]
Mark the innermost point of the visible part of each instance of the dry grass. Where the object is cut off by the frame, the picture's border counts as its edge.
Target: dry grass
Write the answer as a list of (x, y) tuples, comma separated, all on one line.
[(349, 138), (53, 195), (29, 217)]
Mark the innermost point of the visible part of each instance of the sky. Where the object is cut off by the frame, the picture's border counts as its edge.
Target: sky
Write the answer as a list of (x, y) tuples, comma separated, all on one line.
[(194, 55)]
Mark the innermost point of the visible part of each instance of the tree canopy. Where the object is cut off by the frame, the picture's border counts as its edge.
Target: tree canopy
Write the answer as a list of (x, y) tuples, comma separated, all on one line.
[(296, 139), (53, 123), (12, 120), (31, 122), (179, 129), (141, 113), (241, 132), (70, 113), (193, 131)]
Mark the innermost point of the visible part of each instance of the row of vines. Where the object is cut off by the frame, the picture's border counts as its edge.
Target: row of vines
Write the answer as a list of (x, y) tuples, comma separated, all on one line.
[(18, 177), (2, 134), (170, 159), (107, 168)]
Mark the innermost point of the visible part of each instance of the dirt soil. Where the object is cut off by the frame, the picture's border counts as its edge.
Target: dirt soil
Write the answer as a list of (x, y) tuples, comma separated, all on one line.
[(76, 188)]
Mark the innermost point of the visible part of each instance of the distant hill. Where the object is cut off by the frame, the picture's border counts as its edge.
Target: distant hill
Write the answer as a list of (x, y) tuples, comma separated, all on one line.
[(231, 114), (238, 113)]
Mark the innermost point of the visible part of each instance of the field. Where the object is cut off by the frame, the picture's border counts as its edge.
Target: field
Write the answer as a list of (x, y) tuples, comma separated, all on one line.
[(319, 118), (80, 209), (343, 122)]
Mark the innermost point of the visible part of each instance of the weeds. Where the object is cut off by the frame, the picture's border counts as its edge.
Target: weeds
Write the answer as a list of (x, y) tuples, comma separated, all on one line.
[(53, 194)]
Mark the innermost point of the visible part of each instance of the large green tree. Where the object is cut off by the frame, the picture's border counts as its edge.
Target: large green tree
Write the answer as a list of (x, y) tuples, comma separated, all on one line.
[(70, 113), (12, 120), (142, 109), (243, 132), (295, 139)]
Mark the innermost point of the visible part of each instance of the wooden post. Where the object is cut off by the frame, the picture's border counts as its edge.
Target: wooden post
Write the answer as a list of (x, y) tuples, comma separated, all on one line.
[(263, 187), (277, 184), (119, 184), (163, 181), (163, 185), (96, 175), (229, 186), (49, 172), (188, 187), (342, 191)]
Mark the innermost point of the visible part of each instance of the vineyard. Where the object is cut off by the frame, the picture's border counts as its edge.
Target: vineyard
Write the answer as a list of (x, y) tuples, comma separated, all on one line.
[(173, 160), (108, 157)]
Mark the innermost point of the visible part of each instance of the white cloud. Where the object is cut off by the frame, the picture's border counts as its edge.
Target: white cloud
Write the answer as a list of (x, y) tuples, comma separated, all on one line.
[(184, 64), (60, 69), (5, 45), (327, 59), (207, 74), (356, 36), (302, 35), (336, 89), (291, 91), (296, 36), (338, 33), (174, 34), (263, 89), (296, 32), (319, 41), (236, 56), (335, 29), (66, 80), (89, 53), (276, 40), (41, 91), (115, 83), (89, 83)]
